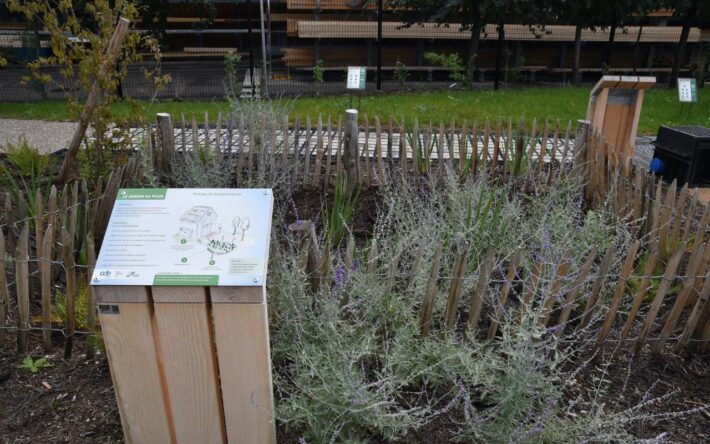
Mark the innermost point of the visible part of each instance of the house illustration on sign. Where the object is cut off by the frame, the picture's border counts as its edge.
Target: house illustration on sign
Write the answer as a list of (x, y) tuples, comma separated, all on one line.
[(198, 223)]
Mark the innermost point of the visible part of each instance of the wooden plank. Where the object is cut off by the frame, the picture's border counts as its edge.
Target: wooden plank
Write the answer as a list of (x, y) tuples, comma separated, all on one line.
[(182, 318), (238, 295), (136, 367), (245, 371), (22, 285), (668, 278), (307, 152)]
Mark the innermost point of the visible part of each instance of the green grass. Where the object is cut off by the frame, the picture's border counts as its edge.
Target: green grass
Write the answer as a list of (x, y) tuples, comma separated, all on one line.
[(660, 106)]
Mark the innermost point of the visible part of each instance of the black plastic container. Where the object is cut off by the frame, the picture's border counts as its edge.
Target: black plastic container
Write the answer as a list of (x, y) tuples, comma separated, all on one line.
[(685, 154)]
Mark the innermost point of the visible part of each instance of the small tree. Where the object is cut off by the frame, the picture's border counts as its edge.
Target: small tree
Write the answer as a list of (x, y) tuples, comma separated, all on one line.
[(92, 47), (452, 62)]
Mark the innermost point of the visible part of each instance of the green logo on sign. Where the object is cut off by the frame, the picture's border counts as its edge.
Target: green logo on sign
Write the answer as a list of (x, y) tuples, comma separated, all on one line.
[(141, 194)]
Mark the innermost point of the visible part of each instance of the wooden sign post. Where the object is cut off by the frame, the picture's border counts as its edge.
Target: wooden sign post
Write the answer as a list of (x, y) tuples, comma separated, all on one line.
[(614, 110), (180, 282)]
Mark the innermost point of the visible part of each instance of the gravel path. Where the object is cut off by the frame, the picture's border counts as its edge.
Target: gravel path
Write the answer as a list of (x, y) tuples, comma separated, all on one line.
[(45, 135)]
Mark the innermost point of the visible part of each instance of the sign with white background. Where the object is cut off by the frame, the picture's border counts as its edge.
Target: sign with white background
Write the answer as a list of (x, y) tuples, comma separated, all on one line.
[(356, 77), (687, 90), (193, 237)]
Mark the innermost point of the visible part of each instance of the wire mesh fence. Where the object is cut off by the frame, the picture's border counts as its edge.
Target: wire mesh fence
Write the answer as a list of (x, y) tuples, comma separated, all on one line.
[(301, 48)]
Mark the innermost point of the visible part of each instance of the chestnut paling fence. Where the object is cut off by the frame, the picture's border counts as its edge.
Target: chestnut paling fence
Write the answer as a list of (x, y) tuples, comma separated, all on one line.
[(48, 244)]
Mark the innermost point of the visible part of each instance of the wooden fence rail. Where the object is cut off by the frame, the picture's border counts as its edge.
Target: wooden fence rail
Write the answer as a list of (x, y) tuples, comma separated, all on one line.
[(670, 228)]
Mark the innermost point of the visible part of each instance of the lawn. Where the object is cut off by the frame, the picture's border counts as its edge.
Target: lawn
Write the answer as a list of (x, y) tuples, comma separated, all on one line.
[(660, 106)]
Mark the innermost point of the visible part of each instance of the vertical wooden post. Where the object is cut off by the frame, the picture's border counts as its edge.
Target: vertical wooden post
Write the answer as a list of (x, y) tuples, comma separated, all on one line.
[(242, 338), (182, 318), (136, 366), (23, 288), (45, 269), (167, 140), (4, 297), (350, 150)]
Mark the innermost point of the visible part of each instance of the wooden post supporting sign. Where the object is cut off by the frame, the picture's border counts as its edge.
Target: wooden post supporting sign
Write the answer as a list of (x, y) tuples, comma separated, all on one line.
[(180, 282)]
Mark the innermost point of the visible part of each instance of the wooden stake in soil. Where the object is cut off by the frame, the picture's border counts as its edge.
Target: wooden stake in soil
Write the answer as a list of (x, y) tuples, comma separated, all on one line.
[(505, 291), (668, 278), (70, 293), (45, 269), (597, 287), (4, 297), (619, 291), (452, 302), (479, 294), (350, 151), (573, 291), (688, 287), (642, 290), (22, 283), (431, 291)]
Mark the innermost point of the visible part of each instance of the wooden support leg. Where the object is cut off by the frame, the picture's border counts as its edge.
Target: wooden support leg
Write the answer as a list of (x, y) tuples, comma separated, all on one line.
[(187, 350), (242, 338), (135, 369)]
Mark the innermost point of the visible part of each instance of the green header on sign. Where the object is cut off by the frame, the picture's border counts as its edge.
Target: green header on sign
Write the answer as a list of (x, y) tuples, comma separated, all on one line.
[(141, 194), (188, 280)]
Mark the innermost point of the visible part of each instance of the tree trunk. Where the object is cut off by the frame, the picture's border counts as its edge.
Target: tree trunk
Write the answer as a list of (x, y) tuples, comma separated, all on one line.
[(577, 49), (610, 43), (636, 47), (680, 50), (112, 53), (499, 51), (473, 43)]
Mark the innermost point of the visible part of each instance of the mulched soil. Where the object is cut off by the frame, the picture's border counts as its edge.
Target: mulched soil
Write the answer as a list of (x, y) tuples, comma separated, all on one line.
[(73, 401), (678, 384)]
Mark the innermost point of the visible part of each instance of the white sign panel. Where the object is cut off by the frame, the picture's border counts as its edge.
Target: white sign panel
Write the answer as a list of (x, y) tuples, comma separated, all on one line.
[(356, 77), (196, 237), (687, 90)]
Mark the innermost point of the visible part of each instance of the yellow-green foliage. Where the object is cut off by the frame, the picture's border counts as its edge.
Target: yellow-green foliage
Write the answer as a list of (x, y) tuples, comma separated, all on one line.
[(79, 37)]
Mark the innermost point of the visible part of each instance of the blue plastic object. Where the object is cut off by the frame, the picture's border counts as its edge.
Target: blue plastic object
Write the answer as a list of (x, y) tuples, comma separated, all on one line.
[(656, 165)]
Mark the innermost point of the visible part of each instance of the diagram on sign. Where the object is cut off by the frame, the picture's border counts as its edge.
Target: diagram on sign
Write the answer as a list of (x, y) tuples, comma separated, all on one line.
[(200, 225)]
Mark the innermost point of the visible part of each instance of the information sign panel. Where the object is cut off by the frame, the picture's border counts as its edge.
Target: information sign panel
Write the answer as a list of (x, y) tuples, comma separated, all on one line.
[(356, 77), (687, 90), (187, 237)]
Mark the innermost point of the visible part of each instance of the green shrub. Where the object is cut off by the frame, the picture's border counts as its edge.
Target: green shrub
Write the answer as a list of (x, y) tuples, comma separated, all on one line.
[(452, 62)]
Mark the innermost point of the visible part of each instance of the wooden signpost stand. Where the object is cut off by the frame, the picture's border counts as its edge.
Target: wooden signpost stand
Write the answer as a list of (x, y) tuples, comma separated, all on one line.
[(189, 363), (614, 110)]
